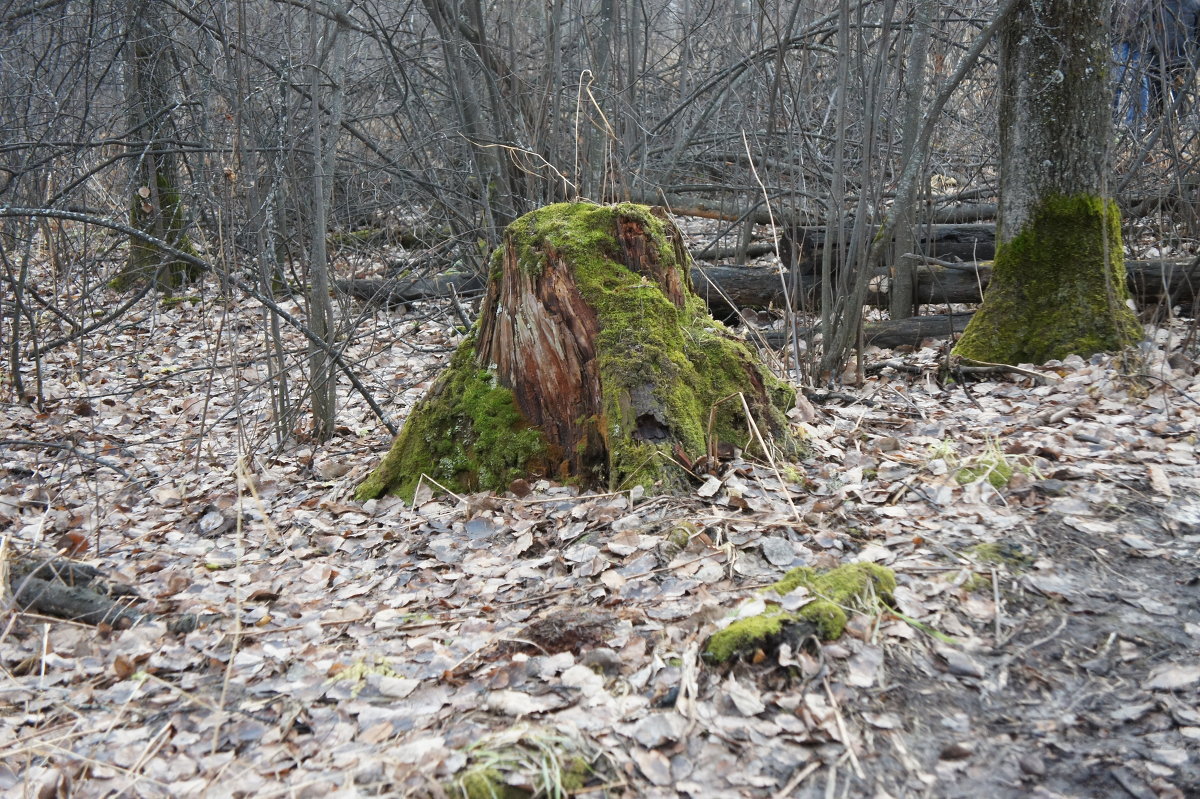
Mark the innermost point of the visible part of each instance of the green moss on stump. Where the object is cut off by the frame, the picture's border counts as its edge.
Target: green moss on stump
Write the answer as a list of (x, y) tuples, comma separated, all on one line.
[(1057, 288), (466, 433), (855, 586), (644, 339)]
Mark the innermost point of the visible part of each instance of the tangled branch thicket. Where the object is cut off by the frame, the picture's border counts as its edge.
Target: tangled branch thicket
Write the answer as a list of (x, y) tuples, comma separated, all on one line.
[(444, 120)]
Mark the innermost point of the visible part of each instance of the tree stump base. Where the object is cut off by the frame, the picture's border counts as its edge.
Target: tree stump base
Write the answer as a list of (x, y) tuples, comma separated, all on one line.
[(593, 362)]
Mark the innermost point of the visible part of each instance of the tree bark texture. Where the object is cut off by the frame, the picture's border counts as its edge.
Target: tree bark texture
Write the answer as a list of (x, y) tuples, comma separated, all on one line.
[(1058, 283), (156, 204), (593, 362)]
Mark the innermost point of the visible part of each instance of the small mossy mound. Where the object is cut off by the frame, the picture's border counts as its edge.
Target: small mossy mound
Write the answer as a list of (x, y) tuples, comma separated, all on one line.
[(169, 302), (1002, 553), (488, 783), (591, 330), (855, 586)]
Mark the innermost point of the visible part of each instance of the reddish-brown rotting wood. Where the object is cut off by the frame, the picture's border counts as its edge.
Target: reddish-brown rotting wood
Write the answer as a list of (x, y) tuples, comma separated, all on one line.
[(642, 257), (540, 335)]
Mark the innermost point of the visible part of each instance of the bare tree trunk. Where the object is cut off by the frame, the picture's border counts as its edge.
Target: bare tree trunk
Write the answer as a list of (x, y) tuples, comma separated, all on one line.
[(835, 350), (839, 323), (156, 204), (320, 303), (902, 302), (259, 174), (1058, 285), (837, 194)]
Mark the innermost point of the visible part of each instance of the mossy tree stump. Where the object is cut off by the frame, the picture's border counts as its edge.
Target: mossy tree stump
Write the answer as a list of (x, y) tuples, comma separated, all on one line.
[(593, 362)]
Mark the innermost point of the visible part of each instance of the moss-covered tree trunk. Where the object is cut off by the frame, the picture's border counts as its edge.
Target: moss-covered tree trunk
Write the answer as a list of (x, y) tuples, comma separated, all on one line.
[(593, 362), (156, 204), (1058, 286)]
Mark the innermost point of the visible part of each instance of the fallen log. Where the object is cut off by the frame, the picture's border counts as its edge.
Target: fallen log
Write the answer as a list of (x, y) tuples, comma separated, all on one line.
[(964, 212), (65, 589), (1169, 282), (722, 287), (946, 208), (893, 333), (914, 330), (1150, 282), (960, 232), (755, 250), (803, 246), (727, 287), (397, 291)]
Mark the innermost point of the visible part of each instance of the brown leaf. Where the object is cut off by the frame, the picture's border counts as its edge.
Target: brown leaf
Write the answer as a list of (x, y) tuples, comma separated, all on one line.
[(653, 764), (124, 667), (72, 543)]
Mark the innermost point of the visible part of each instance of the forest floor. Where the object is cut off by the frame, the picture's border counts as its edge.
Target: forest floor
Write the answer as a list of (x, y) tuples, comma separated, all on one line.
[(1044, 638)]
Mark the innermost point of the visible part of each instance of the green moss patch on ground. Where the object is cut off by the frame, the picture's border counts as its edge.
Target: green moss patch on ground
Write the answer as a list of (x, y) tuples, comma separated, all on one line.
[(1002, 553), (525, 761), (855, 586)]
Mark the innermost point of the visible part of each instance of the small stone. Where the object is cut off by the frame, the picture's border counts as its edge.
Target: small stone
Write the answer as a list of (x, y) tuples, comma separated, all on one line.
[(778, 551), (961, 664), (887, 443), (1032, 764), (1051, 487), (602, 660), (956, 751)]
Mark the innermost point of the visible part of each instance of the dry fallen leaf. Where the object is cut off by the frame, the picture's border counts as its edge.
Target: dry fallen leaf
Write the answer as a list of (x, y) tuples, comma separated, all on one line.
[(653, 764), (1159, 480), (1173, 677)]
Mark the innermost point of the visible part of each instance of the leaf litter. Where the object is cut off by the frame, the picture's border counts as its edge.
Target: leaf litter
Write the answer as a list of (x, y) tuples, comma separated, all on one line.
[(1043, 640)]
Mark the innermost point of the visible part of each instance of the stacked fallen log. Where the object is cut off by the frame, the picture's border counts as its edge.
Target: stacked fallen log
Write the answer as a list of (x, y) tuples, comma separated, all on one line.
[(398, 291), (893, 333), (726, 288), (804, 246)]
